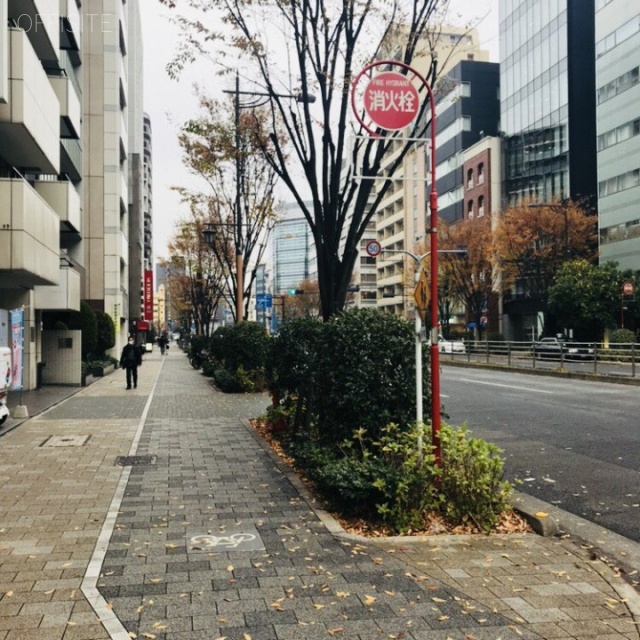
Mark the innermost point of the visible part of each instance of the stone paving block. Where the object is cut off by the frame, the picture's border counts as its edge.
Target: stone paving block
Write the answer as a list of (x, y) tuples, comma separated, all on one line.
[(39, 634), (86, 632), (20, 622), (585, 629)]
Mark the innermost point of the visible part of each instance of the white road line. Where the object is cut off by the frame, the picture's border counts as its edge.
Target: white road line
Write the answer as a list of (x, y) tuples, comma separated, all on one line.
[(90, 581), (506, 386)]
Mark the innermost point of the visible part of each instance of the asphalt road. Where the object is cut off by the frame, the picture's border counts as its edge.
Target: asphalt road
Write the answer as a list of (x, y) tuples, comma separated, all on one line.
[(573, 443)]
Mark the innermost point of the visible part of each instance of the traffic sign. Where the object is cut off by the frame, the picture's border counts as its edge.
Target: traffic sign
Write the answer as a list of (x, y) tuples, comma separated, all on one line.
[(422, 295), (391, 100), (264, 301), (627, 288), (373, 248)]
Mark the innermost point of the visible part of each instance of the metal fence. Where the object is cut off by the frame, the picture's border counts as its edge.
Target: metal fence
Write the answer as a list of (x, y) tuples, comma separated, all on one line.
[(615, 359)]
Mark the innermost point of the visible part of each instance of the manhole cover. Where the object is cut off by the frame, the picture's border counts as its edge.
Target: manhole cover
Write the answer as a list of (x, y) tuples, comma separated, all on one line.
[(129, 461), (65, 441), (245, 539)]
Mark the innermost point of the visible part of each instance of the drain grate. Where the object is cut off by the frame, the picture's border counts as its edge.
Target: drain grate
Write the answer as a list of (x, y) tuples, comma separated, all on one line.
[(65, 441), (135, 461)]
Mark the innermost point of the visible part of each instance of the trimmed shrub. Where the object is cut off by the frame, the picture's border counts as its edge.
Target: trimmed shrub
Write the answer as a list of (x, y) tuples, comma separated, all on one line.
[(209, 369), (89, 327), (392, 482), (366, 375), (244, 344), (197, 344), (356, 370), (292, 362), (106, 332), (620, 336), (472, 486), (240, 350)]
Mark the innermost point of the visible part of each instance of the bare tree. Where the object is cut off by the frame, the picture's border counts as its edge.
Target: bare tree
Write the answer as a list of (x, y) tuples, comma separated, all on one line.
[(317, 47)]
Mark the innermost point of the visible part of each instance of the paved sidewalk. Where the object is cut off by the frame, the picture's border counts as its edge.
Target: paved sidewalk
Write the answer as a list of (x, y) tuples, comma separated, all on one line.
[(202, 535)]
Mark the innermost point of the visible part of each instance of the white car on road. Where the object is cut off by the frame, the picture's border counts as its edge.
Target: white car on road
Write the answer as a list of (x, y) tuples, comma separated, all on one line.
[(451, 346)]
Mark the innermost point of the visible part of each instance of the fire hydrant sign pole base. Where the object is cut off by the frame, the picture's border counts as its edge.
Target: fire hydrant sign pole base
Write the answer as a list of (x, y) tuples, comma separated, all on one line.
[(391, 102)]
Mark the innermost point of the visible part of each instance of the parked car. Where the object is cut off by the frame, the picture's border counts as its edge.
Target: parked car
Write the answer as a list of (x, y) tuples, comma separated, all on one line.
[(451, 346), (558, 347)]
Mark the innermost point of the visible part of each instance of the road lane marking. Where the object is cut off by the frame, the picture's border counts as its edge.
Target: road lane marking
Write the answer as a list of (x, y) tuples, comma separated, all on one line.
[(506, 386)]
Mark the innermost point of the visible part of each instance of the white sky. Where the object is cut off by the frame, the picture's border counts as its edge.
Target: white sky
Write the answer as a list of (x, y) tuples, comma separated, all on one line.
[(170, 102)]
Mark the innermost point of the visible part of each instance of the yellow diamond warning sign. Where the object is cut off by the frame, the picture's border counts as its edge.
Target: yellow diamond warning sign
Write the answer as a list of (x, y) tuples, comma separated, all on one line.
[(422, 295)]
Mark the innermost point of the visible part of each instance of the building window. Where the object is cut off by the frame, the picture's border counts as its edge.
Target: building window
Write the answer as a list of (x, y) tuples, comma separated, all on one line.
[(480, 206), (470, 179), (619, 134), (481, 173), (470, 209), (620, 84), (622, 182)]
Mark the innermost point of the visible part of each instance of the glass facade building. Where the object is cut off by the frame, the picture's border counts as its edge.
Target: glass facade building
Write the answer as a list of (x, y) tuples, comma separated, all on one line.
[(294, 257), (547, 82), (618, 130)]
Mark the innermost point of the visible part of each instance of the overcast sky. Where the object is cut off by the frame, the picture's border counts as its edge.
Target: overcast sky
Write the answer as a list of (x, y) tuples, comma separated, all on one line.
[(170, 102)]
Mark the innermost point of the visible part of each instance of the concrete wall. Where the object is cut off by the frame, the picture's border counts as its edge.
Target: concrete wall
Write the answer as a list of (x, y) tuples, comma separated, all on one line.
[(62, 355)]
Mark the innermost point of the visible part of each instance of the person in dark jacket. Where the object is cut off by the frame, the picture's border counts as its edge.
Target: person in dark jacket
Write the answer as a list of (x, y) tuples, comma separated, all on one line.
[(130, 360), (163, 341)]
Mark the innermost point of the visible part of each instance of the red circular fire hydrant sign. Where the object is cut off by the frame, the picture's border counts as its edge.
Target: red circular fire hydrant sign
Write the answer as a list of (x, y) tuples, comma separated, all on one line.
[(391, 101)]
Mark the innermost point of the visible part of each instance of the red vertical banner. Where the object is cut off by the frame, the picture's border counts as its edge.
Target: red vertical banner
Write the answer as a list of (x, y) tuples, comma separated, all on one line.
[(148, 295)]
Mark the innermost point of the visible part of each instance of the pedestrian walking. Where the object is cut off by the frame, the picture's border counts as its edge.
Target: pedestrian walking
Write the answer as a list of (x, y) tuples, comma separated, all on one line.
[(130, 360), (163, 342)]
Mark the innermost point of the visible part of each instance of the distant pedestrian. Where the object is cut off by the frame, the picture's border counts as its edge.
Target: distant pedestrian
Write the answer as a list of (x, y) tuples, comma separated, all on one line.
[(130, 360), (163, 341)]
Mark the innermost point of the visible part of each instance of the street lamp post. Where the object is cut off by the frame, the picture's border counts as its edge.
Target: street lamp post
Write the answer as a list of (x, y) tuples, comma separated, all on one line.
[(239, 167)]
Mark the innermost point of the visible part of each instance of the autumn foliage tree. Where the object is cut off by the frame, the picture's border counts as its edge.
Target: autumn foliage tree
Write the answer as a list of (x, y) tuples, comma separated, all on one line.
[(469, 278), (532, 242), (316, 47), (240, 185), (305, 304), (197, 279)]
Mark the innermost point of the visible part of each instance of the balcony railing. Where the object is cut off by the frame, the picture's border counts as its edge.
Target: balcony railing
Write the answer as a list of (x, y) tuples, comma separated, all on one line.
[(63, 198), (30, 121), (30, 232)]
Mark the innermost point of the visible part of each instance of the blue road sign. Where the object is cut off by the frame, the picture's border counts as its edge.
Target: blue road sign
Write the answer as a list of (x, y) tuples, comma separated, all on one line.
[(264, 301)]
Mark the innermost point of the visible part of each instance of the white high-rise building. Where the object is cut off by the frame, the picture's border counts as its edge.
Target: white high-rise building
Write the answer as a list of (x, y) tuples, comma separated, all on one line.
[(618, 130), (40, 168), (107, 45)]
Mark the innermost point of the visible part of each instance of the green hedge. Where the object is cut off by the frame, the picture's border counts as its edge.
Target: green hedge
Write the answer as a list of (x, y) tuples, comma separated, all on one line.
[(356, 370), (238, 355), (346, 389)]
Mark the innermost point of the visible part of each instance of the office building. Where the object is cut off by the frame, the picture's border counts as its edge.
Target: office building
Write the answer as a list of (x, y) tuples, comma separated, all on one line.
[(41, 228), (293, 250), (148, 195), (106, 47), (136, 168), (618, 129), (547, 88)]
